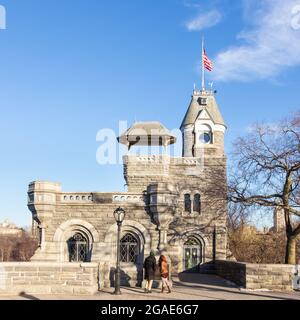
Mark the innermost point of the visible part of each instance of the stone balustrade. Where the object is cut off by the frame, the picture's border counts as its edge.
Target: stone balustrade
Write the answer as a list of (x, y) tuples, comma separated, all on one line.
[(163, 159), (127, 198), (77, 197), (73, 198)]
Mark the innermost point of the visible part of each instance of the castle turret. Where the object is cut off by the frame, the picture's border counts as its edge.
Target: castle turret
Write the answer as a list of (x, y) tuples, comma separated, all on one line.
[(203, 126)]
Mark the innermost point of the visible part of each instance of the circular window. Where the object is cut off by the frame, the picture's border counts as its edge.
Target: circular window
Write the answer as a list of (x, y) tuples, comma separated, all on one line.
[(205, 138)]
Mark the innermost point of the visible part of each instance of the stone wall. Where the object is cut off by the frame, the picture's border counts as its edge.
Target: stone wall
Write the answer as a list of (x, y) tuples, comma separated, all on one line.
[(50, 278), (273, 277), (232, 271), (88, 278)]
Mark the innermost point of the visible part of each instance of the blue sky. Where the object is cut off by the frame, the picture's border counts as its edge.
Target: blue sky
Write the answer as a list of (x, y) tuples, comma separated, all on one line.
[(72, 67)]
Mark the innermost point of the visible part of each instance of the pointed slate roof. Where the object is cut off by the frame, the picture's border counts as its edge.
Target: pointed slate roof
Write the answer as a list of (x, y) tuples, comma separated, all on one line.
[(195, 108)]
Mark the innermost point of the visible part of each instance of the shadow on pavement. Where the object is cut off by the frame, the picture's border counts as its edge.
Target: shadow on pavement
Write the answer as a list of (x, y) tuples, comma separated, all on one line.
[(27, 296), (216, 284), (204, 279)]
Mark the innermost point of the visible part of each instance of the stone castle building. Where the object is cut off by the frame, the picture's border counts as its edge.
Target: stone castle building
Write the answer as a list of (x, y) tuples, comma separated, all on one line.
[(8, 228), (175, 205)]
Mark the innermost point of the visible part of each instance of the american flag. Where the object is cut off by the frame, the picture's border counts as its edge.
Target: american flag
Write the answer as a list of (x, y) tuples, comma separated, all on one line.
[(206, 62)]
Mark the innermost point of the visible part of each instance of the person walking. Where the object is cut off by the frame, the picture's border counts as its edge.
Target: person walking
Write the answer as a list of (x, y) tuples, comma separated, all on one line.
[(164, 271), (150, 267)]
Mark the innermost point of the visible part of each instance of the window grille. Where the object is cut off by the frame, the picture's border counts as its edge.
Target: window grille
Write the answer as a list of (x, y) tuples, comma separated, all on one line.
[(128, 248), (78, 248)]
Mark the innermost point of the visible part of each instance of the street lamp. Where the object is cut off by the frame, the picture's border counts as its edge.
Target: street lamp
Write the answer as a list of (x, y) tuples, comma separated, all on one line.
[(119, 215)]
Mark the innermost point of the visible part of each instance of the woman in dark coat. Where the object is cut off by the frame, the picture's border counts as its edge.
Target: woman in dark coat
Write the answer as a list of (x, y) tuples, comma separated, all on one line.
[(150, 267)]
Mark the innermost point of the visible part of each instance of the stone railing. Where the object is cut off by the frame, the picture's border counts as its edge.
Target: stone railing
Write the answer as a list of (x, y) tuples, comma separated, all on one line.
[(194, 161), (80, 197), (152, 158), (164, 159), (76, 197), (127, 198)]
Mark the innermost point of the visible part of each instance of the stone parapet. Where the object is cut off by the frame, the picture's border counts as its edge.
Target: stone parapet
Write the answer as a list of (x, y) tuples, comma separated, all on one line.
[(49, 278), (274, 277)]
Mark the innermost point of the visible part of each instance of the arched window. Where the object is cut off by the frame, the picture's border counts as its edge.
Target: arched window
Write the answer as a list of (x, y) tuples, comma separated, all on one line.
[(129, 248), (187, 203), (197, 203), (78, 248)]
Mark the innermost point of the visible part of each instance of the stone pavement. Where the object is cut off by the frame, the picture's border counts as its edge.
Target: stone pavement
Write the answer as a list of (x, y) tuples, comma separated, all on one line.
[(188, 287)]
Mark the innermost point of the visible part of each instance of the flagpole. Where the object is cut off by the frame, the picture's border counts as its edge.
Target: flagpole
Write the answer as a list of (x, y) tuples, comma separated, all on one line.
[(203, 72)]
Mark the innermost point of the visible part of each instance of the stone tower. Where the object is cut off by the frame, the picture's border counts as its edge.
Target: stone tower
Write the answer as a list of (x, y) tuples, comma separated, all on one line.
[(278, 219), (185, 196), (203, 127)]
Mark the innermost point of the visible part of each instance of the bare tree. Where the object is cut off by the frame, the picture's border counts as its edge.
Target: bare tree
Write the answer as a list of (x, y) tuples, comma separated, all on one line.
[(249, 245), (238, 216), (266, 174), (17, 247)]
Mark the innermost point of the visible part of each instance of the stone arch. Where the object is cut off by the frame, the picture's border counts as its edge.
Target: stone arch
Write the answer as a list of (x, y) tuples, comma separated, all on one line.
[(67, 229), (194, 233), (184, 191), (180, 241), (133, 272), (200, 238), (195, 191), (129, 226), (203, 127)]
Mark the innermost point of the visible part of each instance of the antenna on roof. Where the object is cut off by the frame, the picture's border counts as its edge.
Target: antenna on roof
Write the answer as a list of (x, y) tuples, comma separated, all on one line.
[(211, 85), (194, 86)]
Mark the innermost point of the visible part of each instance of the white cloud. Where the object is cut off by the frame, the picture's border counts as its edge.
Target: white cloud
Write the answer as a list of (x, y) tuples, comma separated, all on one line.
[(204, 20), (270, 46)]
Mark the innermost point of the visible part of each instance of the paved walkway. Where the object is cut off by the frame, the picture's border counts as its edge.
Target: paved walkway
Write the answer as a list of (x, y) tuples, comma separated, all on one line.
[(188, 287)]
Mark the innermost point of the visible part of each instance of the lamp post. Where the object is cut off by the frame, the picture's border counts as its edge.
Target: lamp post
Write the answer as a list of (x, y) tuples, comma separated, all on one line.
[(119, 215)]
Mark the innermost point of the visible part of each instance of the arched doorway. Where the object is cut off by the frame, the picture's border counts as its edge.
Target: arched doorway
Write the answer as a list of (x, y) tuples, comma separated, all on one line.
[(192, 253), (135, 241), (78, 248)]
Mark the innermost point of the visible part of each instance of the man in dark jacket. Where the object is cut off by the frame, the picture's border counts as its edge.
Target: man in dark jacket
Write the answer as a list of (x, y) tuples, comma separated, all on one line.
[(150, 267)]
